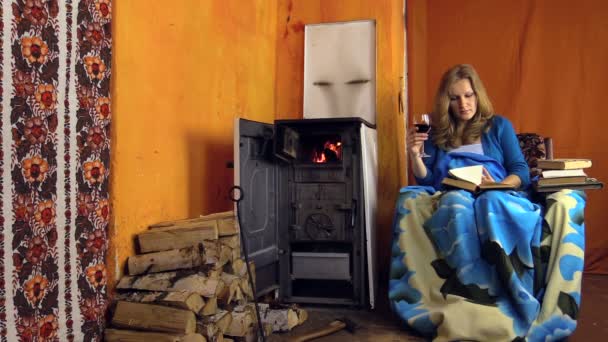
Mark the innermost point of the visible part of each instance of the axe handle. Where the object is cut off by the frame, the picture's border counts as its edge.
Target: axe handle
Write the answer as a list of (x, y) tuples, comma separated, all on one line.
[(329, 329)]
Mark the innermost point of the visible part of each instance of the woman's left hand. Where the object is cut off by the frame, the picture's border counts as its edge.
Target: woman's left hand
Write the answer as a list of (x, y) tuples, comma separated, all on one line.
[(486, 177)]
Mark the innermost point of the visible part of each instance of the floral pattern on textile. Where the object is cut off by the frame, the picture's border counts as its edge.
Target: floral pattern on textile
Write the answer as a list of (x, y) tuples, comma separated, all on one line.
[(33, 169), (534, 149), (23, 209), (93, 67), (58, 157)]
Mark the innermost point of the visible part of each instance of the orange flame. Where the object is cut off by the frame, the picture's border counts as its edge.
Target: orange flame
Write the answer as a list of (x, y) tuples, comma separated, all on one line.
[(319, 157)]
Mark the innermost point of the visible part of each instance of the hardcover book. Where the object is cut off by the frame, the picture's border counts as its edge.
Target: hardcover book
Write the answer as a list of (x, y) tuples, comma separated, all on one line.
[(469, 178), (564, 164), (588, 184), (474, 188), (562, 180), (563, 173)]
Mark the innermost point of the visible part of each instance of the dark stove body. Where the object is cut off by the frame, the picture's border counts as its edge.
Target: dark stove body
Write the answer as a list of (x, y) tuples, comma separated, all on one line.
[(302, 214)]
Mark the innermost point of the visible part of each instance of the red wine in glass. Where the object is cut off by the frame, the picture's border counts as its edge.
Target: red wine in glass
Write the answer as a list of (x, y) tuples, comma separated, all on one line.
[(423, 125), (422, 128)]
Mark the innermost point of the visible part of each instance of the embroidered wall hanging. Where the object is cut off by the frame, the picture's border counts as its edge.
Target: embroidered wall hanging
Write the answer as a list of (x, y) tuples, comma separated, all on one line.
[(54, 164)]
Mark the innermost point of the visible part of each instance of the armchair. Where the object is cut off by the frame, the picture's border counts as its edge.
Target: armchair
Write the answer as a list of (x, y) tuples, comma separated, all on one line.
[(488, 267), (534, 147)]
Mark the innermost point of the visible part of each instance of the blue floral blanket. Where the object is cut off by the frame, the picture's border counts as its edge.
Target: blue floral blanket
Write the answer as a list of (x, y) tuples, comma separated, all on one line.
[(493, 267)]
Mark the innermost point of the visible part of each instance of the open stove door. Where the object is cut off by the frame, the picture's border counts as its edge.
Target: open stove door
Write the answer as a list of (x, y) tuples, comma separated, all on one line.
[(256, 172)]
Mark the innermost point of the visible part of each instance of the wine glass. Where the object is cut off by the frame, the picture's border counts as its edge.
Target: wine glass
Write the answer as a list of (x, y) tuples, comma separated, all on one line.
[(423, 125)]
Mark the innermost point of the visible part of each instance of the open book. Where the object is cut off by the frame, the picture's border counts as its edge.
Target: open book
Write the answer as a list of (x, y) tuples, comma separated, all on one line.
[(469, 178)]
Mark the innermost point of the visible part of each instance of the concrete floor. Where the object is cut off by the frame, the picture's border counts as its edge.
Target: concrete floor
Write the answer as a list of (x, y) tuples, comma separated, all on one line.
[(381, 326)]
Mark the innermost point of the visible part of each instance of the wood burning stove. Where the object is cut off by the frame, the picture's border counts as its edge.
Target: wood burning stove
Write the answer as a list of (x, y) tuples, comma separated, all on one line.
[(308, 207), (308, 210)]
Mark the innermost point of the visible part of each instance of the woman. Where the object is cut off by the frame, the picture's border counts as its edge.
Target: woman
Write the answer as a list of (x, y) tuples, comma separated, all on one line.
[(468, 267)]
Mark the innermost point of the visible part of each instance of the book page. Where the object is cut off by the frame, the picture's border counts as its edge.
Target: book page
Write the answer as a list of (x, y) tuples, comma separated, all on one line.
[(563, 173), (468, 173)]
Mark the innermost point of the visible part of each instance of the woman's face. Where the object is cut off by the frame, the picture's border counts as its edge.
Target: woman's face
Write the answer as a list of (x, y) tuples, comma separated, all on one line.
[(463, 101)]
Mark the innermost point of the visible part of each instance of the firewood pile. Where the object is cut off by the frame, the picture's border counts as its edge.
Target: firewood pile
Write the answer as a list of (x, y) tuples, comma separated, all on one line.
[(189, 284)]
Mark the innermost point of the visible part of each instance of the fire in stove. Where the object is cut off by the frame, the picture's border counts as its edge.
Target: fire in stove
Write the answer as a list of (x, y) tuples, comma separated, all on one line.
[(330, 151)]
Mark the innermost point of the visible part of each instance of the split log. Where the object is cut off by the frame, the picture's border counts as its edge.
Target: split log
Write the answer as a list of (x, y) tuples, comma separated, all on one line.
[(217, 254), (267, 329), (195, 222), (219, 337), (206, 285), (181, 300), (242, 322), (162, 239), (237, 267), (220, 215), (191, 338), (176, 223), (115, 335), (236, 254), (281, 319), (207, 329), (231, 241), (232, 286), (250, 336), (245, 287), (210, 307), (228, 253), (224, 257), (227, 226), (226, 222), (153, 317), (221, 320), (175, 259), (302, 315)]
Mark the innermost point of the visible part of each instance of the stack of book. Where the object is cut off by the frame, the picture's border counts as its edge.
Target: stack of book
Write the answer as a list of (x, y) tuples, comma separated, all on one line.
[(560, 174)]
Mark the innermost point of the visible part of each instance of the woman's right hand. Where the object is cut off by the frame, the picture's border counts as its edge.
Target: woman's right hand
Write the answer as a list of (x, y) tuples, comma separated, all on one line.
[(414, 141)]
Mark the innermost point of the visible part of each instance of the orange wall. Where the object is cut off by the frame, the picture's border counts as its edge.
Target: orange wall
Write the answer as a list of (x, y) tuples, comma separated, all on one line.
[(544, 65), (293, 15), (182, 72)]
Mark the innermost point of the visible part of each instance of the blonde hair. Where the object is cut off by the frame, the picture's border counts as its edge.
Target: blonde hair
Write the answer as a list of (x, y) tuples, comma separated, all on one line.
[(444, 121)]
